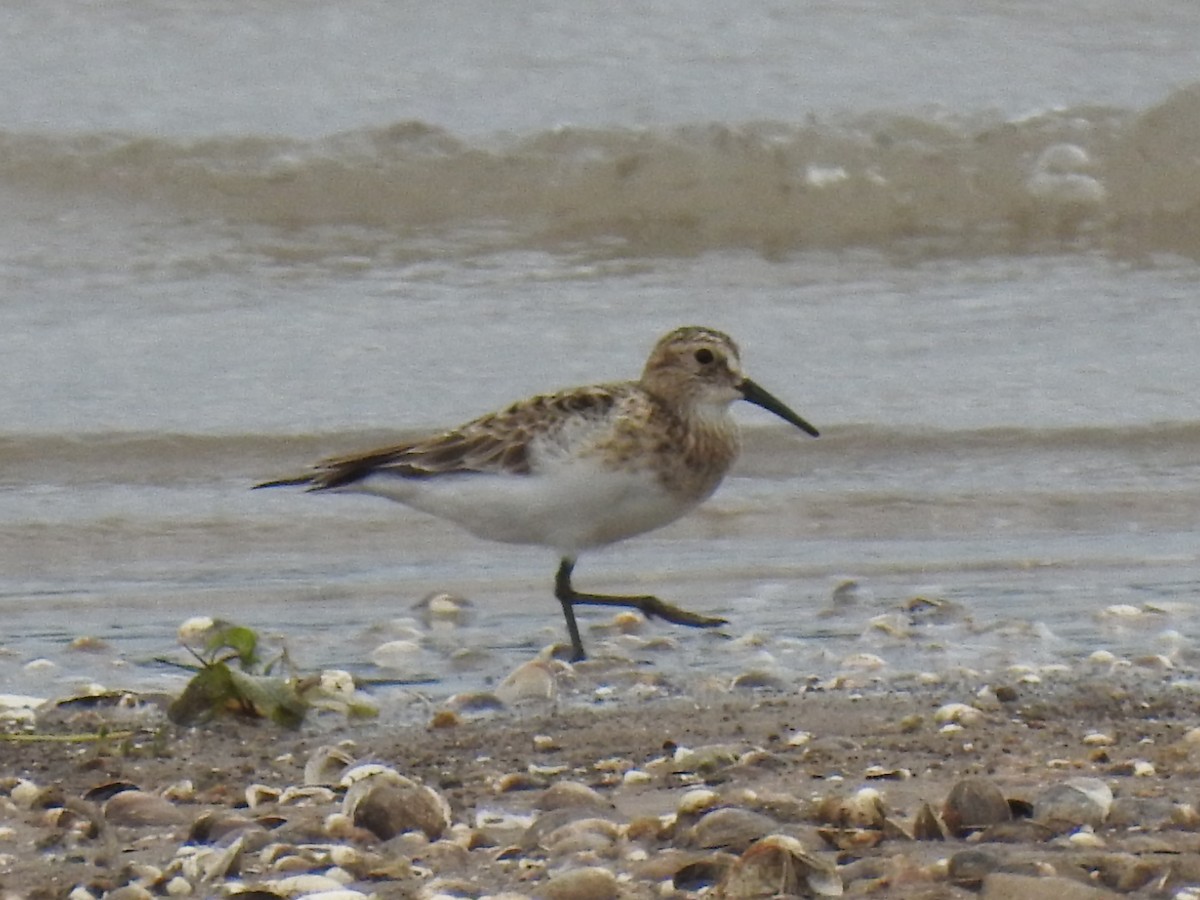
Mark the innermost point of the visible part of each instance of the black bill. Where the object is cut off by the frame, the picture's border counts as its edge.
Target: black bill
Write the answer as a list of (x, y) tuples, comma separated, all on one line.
[(756, 395)]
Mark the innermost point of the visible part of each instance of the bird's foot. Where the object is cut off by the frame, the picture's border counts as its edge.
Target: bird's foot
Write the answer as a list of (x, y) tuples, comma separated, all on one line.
[(654, 608), (651, 607)]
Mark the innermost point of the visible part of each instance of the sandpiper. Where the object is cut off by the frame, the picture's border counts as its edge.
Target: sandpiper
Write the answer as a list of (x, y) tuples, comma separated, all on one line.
[(580, 468)]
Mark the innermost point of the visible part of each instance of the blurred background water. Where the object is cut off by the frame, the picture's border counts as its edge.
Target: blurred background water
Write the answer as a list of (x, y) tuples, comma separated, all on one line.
[(960, 237)]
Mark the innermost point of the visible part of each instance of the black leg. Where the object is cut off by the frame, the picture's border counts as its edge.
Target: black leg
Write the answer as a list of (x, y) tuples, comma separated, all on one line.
[(651, 607), (566, 596)]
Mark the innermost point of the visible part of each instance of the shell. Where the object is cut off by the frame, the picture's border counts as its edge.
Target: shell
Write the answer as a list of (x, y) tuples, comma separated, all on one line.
[(326, 765), (957, 714), (779, 865), (730, 828), (136, 808), (697, 800), (974, 804), (927, 826), (390, 804), (591, 835), (863, 809), (536, 680)]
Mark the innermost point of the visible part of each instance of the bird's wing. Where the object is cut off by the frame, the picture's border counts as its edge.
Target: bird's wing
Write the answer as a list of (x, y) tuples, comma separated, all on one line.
[(501, 443)]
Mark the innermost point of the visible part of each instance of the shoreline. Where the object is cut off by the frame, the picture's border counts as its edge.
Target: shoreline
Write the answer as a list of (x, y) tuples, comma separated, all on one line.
[(637, 799)]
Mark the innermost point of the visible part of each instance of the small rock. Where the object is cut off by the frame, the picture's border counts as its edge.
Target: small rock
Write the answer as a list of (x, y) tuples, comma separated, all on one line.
[(1075, 802), (24, 794), (1006, 886), (969, 867), (387, 808), (535, 833), (696, 801), (215, 826), (758, 680), (544, 743), (441, 609), (309, 884), (957, 714), (136, 808), (445, 718), (864, 662), (1018, 831), (587, 883), (571, 793), (974, 803), (707, 758), (1006, 693), (131, 892)]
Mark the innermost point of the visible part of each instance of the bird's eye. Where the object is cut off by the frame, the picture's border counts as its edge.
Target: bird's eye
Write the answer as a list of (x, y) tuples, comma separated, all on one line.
[(704, 356)]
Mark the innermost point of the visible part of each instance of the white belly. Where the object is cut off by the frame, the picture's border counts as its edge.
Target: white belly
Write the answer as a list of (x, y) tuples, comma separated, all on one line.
[(569, 508)]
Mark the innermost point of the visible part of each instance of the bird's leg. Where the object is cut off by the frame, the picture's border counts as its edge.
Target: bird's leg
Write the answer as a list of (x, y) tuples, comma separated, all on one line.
[(649, 606), (566, 596)]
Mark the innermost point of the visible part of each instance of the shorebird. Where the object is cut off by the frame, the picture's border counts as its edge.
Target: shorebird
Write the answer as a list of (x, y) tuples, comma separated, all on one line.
[(579, 468)]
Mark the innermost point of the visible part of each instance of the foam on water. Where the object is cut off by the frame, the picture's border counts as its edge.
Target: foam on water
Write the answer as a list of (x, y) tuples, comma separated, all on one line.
[(1121, 181)]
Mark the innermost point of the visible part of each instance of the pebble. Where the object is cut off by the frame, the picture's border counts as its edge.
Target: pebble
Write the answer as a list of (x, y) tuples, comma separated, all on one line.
[(440, 610), (387, 808), (1075, 802), (958, 714), (305, 885), (697, 800), (715, 819), (585, 883), (973, 804), (591, 835), (24, 793), (571, 793), (970, 867), (1008, 886), (137, 808)]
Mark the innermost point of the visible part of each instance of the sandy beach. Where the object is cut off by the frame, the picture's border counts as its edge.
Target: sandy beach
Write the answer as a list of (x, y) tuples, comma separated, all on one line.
[(877, 789), (960, 238)]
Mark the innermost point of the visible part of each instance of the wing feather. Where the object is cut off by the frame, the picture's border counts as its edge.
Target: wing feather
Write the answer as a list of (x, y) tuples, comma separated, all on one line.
[(498, 443)]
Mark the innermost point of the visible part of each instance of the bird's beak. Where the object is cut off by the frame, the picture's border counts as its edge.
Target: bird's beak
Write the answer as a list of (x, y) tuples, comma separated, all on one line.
[(756, 395)]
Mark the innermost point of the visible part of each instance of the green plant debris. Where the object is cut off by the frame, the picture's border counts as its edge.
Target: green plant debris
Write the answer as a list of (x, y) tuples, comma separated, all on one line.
[(248, 690)]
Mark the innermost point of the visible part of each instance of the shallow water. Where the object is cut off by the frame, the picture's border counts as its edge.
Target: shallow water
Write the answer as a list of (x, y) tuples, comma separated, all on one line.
[(224, 258)]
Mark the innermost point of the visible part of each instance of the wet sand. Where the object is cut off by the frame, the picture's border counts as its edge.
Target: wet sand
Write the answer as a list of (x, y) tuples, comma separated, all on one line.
[(605, 800)]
